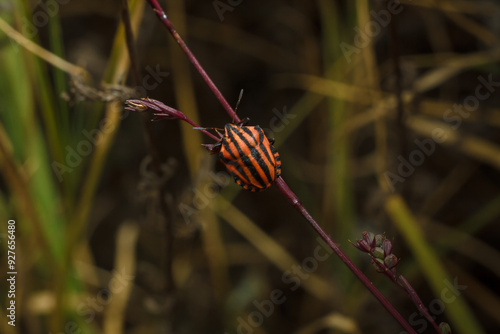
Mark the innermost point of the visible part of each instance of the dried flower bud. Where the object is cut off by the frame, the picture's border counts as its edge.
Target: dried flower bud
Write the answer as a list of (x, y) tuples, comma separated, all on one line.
[(378, 264), (363, 246), (378, 239), (391, 261), (369, 237), (387, 246), (135, 105), (162, 111), (378, 252)]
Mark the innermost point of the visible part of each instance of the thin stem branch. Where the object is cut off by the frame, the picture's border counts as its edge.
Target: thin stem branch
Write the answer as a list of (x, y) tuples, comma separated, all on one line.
[(292, 198), (418, 302), (280, 183), (163, 17), (408, 289), (154, 151), (402, 131)]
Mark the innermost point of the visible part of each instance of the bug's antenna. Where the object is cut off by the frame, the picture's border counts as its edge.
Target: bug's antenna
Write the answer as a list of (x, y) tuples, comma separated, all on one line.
[(215, 129), (238, 102), (211, 128)]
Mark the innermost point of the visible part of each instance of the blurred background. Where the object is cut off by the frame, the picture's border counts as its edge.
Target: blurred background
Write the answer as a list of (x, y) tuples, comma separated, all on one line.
[(386, 118)]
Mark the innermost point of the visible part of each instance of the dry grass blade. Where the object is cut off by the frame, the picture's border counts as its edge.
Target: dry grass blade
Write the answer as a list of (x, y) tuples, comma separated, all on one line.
[(125, 266), (46, 55), (333, 321), (472, 146)]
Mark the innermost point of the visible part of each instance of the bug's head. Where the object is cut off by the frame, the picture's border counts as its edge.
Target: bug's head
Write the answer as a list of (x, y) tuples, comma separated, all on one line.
[(229, 126), (235, 127)]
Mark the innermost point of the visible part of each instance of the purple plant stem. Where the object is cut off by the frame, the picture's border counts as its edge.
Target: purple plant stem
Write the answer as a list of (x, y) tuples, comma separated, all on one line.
[(163, 17), (408, 289), (418, 302), (294, 200), (280, 183)]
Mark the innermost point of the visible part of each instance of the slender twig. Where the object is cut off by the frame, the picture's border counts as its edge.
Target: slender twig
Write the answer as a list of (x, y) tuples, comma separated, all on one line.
[(280, 183), (129, 38), (408, 289), (398, 90), (294, 200), (403, 147), (153, 149), (380, 250), (163, 17), (418, 302)]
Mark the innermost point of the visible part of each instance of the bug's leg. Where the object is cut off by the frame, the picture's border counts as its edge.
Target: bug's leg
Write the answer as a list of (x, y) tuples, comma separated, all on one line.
[(210, 128), (213, 148), (244, 121), (220, 134), (271, 139)]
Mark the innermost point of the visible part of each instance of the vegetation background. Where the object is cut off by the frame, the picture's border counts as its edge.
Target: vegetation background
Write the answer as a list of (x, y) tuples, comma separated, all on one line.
[(124, 225)]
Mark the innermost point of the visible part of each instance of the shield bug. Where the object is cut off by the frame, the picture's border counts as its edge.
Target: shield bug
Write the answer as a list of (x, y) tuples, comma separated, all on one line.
[(248, 156)]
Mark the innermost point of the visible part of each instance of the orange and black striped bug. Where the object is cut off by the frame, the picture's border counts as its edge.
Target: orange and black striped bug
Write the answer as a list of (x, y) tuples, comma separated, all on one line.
[(248, 156)]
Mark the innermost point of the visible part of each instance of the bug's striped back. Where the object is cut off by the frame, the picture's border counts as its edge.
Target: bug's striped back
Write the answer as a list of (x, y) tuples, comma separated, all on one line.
[(249, 157)]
